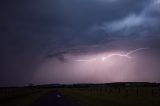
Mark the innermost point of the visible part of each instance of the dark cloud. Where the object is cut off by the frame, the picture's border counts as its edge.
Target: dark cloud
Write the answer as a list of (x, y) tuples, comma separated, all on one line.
[(33, 31)]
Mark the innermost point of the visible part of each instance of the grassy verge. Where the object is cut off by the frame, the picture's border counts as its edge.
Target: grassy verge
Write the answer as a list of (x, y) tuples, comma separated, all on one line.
[(23, 97), (114, 97)]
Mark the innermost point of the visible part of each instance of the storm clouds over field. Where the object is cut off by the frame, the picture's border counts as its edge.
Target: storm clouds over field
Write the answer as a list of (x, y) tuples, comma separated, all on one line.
[(42, 41)]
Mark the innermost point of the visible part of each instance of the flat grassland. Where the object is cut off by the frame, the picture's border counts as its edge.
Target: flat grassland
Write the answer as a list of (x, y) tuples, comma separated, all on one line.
[(20, 96), (90, 96), (111, 96)]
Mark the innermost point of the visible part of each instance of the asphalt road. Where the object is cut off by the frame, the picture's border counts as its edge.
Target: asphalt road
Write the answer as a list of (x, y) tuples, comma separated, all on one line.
[(54, 99)]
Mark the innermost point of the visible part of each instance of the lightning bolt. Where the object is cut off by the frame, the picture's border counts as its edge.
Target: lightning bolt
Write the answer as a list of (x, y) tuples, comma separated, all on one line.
[(133, 51), (127, 55), (112, 55), (87, 60)]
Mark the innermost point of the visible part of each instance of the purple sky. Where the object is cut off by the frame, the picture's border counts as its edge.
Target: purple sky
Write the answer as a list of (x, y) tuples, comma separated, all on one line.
[(44, 41)]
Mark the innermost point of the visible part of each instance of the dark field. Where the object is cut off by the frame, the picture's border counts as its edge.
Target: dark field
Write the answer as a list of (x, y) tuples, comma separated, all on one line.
[(115, 96), (20, 96), (84, 96)]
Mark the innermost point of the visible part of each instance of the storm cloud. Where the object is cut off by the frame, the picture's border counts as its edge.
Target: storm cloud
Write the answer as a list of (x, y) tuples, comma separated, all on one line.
[(40, 37)]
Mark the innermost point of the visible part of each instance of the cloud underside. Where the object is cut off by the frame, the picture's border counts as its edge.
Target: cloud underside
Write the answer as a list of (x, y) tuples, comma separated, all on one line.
[(33, 32)]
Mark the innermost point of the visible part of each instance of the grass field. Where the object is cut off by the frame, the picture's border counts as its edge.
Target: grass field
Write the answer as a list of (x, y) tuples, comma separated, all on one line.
[(20, 96), (92, 96), (141, 96)]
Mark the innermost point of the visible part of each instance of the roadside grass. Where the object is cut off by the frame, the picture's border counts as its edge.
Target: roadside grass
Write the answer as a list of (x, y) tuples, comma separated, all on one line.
[(20, 97), (114, 97), (96, 96)]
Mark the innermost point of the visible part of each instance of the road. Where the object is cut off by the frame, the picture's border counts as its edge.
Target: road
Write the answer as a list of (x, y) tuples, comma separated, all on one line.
[(54, 99)]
